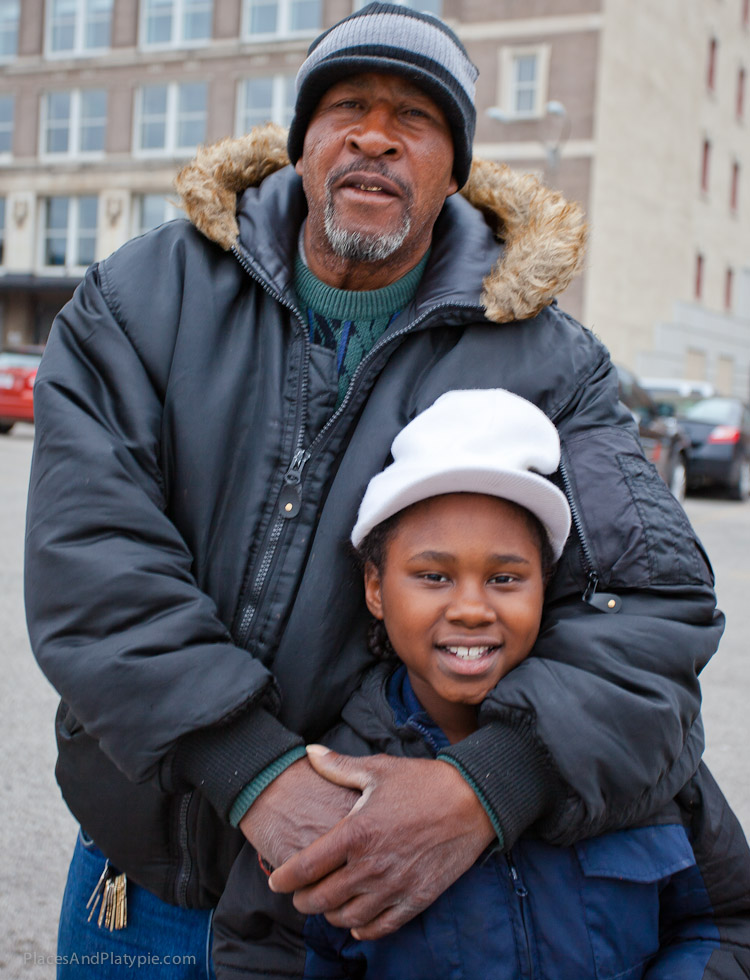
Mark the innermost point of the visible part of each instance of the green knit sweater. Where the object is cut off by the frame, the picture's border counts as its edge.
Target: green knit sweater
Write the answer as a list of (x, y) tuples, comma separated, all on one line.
[(350, 322)]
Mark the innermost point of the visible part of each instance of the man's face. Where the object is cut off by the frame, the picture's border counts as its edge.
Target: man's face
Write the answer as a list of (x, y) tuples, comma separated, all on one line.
[(376, 166)]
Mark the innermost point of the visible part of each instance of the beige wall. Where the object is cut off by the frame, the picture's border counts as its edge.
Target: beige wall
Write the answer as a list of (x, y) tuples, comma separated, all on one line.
[(649, 218)]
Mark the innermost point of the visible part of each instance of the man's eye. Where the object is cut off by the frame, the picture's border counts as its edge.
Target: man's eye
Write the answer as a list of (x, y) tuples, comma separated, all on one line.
[(504, 579), (434, 577)]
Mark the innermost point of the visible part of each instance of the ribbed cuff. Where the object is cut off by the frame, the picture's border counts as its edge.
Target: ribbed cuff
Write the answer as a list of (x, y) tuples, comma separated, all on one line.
[(509, 770), (222, 760), (262, 781)]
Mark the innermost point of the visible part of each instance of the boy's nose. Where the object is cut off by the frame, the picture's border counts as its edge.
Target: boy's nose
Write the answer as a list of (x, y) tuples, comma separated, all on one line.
[(469, 607)]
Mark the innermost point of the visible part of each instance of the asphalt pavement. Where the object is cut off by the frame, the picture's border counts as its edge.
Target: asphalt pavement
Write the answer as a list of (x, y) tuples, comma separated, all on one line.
[(36, 831)]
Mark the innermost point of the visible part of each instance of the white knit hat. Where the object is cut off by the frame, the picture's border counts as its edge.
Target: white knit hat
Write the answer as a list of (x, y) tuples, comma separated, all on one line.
[(479, 441)]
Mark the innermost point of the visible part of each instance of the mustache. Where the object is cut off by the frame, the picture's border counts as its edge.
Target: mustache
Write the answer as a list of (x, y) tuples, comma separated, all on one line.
[(372, 167)]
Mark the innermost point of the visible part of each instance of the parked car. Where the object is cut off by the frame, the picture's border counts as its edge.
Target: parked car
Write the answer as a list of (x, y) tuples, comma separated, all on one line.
[(18, 369), (664, 442), (674, 395), (719, 431)]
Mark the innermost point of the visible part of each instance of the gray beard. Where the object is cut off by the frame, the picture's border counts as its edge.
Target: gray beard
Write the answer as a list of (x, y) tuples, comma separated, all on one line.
[(356, 246)]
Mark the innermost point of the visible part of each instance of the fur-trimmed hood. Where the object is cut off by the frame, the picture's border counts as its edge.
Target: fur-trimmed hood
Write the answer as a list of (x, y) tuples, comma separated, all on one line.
[(544, 235)]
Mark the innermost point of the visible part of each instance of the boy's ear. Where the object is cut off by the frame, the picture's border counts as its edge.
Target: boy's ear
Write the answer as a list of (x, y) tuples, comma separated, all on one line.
[(373, 596)]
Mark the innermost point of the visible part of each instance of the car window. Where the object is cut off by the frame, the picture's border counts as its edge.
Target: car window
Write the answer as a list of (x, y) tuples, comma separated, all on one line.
[(714, 411), (13, 359)]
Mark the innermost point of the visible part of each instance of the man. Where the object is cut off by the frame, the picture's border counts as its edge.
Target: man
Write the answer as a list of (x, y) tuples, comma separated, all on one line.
[(213, 403)]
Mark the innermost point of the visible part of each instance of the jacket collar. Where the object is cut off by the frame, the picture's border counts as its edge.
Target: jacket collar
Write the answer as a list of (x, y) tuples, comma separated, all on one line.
[(520, 243)]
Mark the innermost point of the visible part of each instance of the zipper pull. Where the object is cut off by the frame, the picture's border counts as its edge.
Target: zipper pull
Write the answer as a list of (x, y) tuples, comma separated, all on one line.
[(518, 886), (290, 499), (603, 601)]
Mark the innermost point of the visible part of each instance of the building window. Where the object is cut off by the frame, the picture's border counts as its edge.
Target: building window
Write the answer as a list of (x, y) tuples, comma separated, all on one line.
[(2, 230), (152, 210), (74, 123), (728, 289), (699, 272), (171, 118), (734, 191), (261, 100), (713, 47), (10, 12), (280, 17), (78, 27), (169, 23), (426, 6), (69, 231), (741, 84), (523, 81), (705, 166), (6, 125)]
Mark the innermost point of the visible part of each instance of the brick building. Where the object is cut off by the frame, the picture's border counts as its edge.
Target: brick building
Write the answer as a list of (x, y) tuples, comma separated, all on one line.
[(636, 108)]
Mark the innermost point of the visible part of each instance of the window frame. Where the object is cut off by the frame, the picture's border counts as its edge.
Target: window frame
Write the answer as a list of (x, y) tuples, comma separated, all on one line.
[(72, 234), (4, 58), (79, 50), (172, 117), (6, 155), (706, 165), (279, 108), (711, 65), (700, 273), (734, 187), (740, 94), (509, 55), (75, 128), (178, 20), (283, 19), (3, 219), (136, 210)]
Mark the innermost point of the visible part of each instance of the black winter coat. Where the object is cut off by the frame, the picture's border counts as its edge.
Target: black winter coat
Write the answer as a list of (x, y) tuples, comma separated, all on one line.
[(197, 631)]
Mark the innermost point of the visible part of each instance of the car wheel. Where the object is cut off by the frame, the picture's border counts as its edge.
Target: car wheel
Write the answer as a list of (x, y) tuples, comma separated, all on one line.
[(678, 482), (5, 428), (739, 489)]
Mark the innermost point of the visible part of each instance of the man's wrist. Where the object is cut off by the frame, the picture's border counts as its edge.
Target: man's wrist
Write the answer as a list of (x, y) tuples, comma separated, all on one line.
[(488, 809), (222, 760), (262, 781), (509, 770)]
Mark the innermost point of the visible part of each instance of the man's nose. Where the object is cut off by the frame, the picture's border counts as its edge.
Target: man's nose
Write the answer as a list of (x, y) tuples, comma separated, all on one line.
[(374, 135)]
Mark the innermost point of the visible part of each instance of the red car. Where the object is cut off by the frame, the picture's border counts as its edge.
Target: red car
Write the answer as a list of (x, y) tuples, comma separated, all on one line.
[(18, 369)]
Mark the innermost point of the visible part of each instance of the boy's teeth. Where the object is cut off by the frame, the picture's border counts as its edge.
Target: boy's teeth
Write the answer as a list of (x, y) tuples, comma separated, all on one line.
[(468, 653)]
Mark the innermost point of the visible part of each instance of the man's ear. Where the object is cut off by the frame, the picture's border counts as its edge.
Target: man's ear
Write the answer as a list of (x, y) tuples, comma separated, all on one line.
[(299, 167), (373, 596), (452, 187)]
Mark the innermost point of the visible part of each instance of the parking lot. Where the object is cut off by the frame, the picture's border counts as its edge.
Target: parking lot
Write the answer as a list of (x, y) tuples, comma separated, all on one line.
[(36, 831)]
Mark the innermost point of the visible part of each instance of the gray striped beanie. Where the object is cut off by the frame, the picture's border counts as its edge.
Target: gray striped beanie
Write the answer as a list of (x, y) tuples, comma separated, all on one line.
[(386, 37)]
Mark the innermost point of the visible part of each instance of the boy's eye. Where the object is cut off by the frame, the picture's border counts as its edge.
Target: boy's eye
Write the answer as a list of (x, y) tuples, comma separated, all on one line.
[(433, 577), (504, 578)]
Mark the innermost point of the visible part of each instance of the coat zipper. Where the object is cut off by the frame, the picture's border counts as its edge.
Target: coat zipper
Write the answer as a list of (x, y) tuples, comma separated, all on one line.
[(185, 865), (522, 894), (603, 601), (290, 498)]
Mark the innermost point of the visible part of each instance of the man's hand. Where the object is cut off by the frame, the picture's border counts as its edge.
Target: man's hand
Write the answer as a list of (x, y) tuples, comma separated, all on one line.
[(294, 811), (416, 828)]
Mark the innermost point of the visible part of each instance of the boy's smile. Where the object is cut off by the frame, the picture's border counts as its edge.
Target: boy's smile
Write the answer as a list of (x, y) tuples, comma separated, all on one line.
[(461, 593)]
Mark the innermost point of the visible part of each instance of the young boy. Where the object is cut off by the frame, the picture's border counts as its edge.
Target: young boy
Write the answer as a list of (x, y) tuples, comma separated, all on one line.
[(458, 538)]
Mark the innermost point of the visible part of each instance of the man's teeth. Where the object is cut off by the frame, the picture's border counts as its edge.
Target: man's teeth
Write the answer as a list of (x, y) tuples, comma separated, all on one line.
[(469, 653), (367, 187)]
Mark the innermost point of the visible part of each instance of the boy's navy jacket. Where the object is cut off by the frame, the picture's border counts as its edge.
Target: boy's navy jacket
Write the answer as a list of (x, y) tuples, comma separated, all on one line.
[(667, 901)]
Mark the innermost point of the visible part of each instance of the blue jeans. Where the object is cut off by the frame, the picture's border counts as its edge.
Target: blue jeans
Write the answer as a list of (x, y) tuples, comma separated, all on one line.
[(160, 941)]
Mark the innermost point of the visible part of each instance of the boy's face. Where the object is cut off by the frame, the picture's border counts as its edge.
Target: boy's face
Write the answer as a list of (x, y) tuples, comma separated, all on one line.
[(461, 595)]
